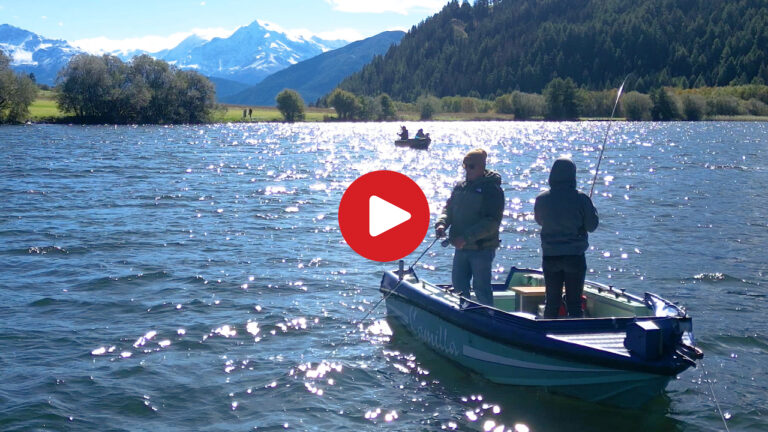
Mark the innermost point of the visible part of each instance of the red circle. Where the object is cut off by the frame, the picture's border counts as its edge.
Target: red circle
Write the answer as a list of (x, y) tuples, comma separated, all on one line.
[(397, 190)]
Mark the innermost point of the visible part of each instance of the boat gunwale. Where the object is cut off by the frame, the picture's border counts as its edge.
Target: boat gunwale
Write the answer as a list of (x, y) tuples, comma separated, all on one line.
[(532, 334)]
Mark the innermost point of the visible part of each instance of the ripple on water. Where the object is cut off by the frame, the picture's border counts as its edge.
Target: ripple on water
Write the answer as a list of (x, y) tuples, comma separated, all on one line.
[(195, 276)]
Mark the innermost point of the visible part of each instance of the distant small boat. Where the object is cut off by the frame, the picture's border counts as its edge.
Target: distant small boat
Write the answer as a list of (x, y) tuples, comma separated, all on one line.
[(624, 352), (415, 143)]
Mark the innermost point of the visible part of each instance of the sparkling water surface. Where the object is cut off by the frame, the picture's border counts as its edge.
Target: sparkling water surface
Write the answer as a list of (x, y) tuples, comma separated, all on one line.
[(194, 277)]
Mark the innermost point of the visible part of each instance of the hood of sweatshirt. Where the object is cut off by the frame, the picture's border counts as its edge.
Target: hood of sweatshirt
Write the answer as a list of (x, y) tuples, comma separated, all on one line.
[(563, 174)]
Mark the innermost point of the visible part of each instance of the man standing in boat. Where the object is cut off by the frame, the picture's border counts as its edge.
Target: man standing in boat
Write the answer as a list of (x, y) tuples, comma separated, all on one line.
[(566, 215), (473, 214)]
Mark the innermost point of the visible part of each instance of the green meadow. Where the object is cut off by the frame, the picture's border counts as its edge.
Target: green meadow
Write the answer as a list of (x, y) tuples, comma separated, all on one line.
[(44, 110)]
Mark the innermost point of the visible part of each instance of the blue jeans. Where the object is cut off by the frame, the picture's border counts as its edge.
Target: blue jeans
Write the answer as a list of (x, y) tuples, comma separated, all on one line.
[(474, 265), (568, 270)]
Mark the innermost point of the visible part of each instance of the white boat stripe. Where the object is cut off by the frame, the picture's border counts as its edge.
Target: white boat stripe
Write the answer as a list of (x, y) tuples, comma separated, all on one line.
[(494, 358)]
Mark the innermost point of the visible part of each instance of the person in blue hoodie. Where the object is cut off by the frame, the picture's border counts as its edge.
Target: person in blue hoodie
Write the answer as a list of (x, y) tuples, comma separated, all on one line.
[(566, 215), (473, 213)]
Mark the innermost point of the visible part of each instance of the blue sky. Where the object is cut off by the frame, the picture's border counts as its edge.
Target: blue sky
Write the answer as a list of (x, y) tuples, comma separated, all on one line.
[(156, 24)]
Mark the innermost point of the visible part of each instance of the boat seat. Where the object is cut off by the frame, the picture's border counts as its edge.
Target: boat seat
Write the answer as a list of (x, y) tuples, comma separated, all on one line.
[(528, 298), (606, 304)]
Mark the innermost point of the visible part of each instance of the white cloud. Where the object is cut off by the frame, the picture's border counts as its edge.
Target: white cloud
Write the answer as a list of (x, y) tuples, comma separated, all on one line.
[(211, 32), (152, 43), (347, 34), (403, 7), (350, 35)]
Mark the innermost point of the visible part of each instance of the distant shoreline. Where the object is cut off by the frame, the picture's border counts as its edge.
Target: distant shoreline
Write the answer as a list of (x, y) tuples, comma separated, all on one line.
[(452, 117), (44, 111)]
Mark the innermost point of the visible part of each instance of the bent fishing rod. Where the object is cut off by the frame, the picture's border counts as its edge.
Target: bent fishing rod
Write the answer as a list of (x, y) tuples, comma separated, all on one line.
[(401, 272), (607, 131)]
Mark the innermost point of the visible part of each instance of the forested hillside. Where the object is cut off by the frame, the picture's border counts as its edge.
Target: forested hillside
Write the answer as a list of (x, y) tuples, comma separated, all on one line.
[(498, 46)]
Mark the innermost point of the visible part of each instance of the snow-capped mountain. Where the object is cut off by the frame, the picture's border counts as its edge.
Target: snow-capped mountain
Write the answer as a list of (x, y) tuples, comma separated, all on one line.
[(317, 76), (31, 53), (249, 55), (183, 49)]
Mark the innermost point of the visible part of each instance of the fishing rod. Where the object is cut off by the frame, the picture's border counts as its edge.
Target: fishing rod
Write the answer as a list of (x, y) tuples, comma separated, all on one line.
[(607, 131), (401, 278), (602, 149)]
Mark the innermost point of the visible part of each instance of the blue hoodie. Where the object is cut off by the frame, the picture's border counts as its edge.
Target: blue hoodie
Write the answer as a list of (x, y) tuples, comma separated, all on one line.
[(564, 213)]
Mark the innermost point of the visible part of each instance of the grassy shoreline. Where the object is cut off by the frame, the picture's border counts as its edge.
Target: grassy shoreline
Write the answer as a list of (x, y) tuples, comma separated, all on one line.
[(44, 110)]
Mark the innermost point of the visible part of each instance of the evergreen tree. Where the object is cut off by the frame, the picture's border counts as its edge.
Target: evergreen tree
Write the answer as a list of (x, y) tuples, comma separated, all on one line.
[(495, 48), (664, 107), (561, 98), (388, 111)]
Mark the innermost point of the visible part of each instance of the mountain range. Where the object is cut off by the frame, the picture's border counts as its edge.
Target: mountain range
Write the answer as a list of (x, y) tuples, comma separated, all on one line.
[(234, 64), (247, 56), (319, 75), (34, 54)]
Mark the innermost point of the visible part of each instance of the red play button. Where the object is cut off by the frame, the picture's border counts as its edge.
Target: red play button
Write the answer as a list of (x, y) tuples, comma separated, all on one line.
[(383, 216)]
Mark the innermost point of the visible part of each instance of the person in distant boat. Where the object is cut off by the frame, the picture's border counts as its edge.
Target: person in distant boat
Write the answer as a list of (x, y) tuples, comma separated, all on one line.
[(473, 214), (420, 134), (403, 133), (566, 215)]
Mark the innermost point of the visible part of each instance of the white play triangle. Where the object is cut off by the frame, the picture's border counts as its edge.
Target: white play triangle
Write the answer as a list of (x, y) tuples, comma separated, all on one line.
[(383, 216)]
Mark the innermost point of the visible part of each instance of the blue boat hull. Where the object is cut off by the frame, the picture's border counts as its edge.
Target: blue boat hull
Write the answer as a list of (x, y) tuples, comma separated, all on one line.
[(518, 350)]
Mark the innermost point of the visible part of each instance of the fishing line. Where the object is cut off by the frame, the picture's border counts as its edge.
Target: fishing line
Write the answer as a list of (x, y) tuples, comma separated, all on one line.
[(594, 180), (712, 390), (607, 131), (400, 281)]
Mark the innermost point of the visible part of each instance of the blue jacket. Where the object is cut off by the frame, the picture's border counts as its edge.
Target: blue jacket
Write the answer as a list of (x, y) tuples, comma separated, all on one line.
[(564, 213)]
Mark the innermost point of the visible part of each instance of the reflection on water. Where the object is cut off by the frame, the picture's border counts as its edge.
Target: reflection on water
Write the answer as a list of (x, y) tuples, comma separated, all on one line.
[(194, 277)]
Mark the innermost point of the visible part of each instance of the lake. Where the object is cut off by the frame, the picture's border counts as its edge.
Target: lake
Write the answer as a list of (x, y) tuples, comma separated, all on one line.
[(195, 278)]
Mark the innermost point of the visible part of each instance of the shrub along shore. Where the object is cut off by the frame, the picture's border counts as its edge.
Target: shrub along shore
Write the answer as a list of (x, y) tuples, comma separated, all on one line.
[(105, 90), (44, 110), (560, 100)]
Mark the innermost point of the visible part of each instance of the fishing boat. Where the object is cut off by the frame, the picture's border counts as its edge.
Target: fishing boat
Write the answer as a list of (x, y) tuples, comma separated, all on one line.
[(414, 143), (623, 352)]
